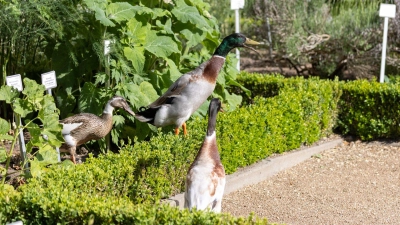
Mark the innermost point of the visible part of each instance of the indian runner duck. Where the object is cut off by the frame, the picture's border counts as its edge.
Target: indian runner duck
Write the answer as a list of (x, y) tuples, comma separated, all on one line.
[(83, 127), (205, 181), (192, 89)]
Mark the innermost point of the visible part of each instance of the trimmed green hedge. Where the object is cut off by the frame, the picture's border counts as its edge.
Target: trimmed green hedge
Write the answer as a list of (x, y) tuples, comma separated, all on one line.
[(370, 110), (125, 187), (36, 205), (366, 109)]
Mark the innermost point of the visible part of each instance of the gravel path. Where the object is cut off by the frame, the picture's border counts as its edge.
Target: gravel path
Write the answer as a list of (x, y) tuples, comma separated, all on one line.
[(355, 183)]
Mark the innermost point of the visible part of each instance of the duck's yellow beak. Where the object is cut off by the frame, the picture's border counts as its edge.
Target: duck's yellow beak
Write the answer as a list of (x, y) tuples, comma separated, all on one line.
[(251, 42)]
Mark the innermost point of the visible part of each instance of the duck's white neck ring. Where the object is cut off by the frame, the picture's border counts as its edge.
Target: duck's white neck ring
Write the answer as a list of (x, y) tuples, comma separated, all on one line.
[(108, 109), (218, 56)]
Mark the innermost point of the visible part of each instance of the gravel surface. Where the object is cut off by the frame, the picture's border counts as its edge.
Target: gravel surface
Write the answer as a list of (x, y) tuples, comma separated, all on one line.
[(354, 183)]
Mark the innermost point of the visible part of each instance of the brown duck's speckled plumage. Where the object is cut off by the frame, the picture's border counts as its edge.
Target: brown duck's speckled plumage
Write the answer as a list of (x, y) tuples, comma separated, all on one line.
[(205, 181), (93, 127), (90, 126)]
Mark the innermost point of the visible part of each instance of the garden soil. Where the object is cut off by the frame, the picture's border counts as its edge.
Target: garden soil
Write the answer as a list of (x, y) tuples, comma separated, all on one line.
[(354, 183)]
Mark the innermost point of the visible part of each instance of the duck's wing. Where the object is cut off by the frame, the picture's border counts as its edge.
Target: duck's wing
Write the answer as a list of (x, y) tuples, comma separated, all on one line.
[(73, 122), (176, 88)]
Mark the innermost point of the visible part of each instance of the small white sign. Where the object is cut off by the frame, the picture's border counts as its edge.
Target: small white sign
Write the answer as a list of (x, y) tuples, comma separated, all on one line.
[(49, 80), (237, 4), (15, 81), (107, 46), (387, 10)]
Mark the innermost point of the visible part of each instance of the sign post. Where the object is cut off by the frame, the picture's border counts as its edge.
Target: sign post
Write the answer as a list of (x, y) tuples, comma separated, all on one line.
[(387, 11), (16, 82), (49, 81), (236, 5), (107, 63)]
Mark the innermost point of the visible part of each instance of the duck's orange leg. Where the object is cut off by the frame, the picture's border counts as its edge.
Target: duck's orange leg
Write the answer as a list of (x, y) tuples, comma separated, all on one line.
[(177, 131), (184, 128), (72, 151)]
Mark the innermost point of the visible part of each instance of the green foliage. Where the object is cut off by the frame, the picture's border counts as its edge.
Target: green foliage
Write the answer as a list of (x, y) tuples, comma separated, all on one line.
[(9, 199), (370, 110), (80, 201), (43, 206), (126, 187), (152, 44), (33, 102), (291, 112), (148, 54)]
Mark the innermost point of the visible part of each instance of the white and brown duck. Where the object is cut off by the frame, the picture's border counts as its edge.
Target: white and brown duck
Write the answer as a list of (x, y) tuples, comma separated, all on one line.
[(205, 181), (83, 127), (191, 90)]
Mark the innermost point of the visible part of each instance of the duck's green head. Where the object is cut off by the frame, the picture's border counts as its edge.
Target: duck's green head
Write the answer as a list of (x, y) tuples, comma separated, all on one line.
[(233, 41)]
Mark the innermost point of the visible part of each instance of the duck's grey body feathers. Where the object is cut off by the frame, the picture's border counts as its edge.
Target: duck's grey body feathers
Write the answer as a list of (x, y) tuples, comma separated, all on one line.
[(184, 96)]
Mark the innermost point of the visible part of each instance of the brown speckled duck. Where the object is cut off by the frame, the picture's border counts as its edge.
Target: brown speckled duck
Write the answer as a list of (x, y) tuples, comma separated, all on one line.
[(83, 127), (191, 90), (205, 181)]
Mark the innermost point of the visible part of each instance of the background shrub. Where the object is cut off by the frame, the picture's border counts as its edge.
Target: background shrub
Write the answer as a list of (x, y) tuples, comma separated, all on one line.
[(370, 110)]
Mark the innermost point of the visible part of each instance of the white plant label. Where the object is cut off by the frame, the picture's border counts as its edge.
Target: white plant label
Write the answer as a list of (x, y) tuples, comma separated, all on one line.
[(49, 80), (107, 46), (237, 4), (15, 81), (387, 10)]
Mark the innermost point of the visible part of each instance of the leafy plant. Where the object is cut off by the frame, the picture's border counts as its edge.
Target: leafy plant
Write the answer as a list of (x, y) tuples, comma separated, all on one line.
[(44, 128), (152, 44)]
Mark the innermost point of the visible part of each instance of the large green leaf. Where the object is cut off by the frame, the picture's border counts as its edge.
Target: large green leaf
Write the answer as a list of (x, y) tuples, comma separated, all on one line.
[(136, 32), (140, 95), (4, 128), (102, 18), (121, 11), (233, 100), (186, 13), (33, 91), (8, 94), (99, 6), (92, 4), (165, 28), (34, 131), (51, 127), (136, 56), (193, 37), (3, 154), (157, 12), (148, 93), (118, 120), (173, 70), (44, 157), (23, 107), (160, 46), (130, 91)]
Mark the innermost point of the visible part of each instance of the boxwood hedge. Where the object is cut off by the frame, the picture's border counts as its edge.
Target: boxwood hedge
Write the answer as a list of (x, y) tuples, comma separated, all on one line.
[(370, 110), (366, 109), (126, 187)]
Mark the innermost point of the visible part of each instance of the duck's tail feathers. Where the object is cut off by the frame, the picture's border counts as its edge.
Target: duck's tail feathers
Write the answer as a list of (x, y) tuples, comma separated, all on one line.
[(146, 115)]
